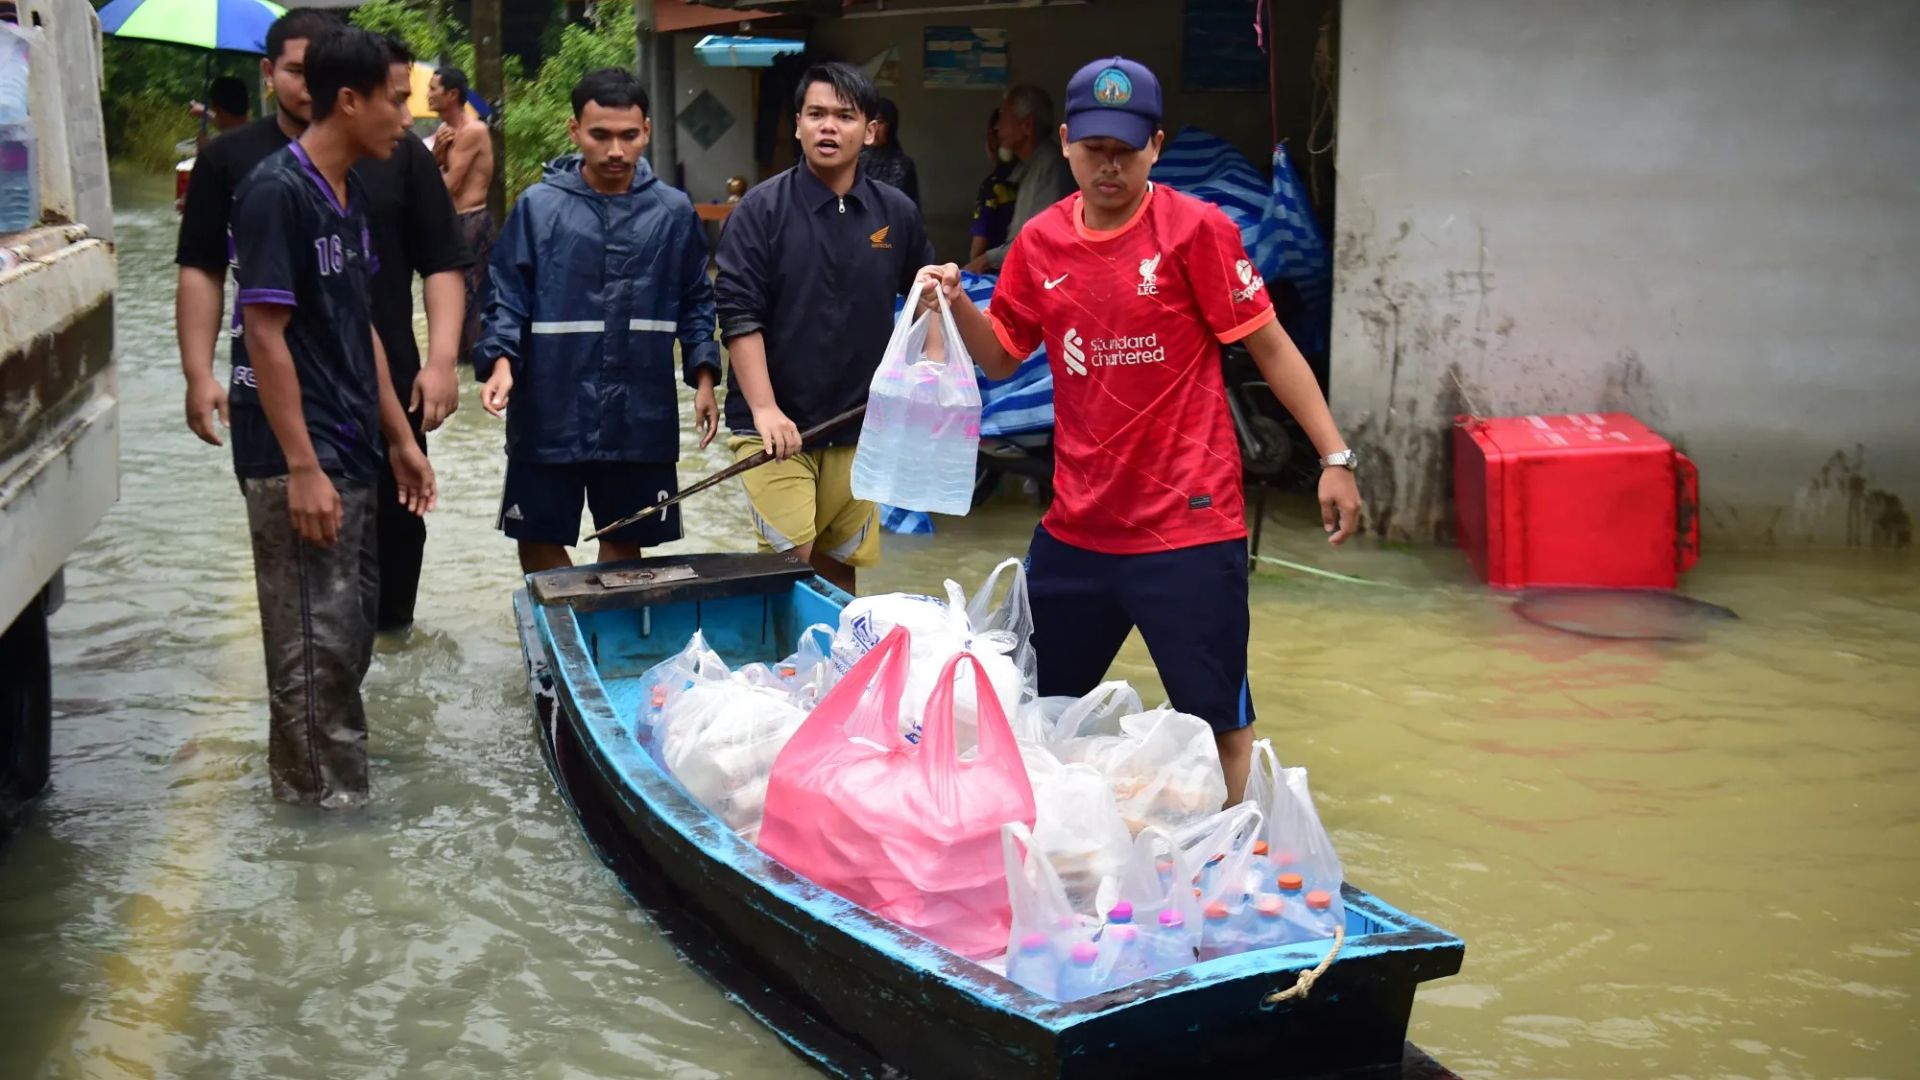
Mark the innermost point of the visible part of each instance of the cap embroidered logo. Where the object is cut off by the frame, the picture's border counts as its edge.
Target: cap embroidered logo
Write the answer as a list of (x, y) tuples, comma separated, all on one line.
[(1112, 88)]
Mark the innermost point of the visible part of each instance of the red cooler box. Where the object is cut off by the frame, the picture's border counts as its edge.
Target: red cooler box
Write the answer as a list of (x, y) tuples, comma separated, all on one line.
[(1592, 500)]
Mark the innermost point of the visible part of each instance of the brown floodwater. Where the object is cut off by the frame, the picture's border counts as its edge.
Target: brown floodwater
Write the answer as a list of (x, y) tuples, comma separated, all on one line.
[(1696, 859)]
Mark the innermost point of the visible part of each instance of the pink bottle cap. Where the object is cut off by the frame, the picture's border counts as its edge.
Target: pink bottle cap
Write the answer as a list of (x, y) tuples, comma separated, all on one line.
[(1171, 919), (1319, 901), (1124, 933), (1085, 953), (1033, 943), (1268, 906), (1217, 911), (659, 696), (1121, 912)]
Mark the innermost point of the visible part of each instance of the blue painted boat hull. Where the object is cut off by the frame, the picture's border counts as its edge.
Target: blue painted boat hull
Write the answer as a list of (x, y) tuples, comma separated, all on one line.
[(856, 995)]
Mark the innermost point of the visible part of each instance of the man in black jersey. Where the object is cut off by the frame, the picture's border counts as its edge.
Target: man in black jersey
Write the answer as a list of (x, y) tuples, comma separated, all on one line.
[(414, 231), (311, 400)]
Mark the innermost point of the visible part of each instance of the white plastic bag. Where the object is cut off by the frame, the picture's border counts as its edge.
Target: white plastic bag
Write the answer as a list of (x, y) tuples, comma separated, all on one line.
[(1156, 884), (939, 631), (1077, 825), (667, 680), (1163, 768), (1050, 721), (1013, 615), (1045, 927), (719, 738), (921, 435), (1297, 842)]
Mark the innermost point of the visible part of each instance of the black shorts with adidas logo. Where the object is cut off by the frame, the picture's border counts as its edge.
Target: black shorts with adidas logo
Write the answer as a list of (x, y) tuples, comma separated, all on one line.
[(542, 502)]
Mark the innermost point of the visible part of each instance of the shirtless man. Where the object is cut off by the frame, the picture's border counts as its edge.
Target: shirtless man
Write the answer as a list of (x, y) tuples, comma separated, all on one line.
[(464, 151)]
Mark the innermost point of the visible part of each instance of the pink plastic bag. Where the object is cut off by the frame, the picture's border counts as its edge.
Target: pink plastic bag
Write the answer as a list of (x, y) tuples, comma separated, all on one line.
[(909, 832)]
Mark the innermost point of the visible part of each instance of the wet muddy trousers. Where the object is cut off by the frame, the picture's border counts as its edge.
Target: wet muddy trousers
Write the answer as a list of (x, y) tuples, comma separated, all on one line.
[(317, 611)]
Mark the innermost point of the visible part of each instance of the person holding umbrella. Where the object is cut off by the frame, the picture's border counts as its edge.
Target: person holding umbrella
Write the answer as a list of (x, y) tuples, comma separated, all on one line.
[(413, 231)]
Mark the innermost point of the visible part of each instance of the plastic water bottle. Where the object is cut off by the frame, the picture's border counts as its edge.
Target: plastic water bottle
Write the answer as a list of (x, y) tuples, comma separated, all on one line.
[(1081, 976), (1259, 869), (1289, 884), (19, 149), (1164, 867), (1033, 966), (1268, 927), (1317, 915), (1219, 936), (1168, 948), (656, 707), (1122, 955)]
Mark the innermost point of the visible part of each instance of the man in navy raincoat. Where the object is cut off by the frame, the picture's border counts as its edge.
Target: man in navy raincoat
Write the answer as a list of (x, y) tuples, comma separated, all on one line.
[(600, 269)]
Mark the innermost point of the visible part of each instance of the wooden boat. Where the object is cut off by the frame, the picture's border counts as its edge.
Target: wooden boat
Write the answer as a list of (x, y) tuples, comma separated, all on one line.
[(852, 993)]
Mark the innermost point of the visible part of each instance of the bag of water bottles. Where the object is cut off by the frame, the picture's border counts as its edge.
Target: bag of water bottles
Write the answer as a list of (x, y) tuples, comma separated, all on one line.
[(672, 677), (921, 434), (1153, 920), (1238, 912), (1048, 942), (911, 833), (1304, 869), (1076, 825)]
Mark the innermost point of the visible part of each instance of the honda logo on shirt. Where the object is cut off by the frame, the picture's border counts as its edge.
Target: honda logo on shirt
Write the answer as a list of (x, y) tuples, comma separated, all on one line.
[(879, 238), (1074, 352)]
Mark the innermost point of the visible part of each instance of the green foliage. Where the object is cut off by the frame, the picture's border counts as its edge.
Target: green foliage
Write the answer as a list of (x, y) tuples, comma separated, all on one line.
[(535, 120), (148, 85), (427, 28), (147, 88)]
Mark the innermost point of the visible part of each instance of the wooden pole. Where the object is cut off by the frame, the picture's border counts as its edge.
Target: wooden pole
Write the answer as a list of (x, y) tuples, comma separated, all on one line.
[(490, 79)]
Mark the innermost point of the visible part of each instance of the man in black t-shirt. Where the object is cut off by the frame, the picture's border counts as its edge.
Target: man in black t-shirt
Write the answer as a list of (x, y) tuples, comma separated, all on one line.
[(414, 231), (309, 406)]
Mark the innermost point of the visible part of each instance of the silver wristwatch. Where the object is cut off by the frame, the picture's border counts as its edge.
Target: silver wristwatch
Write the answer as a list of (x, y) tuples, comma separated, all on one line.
[(1344, 459)]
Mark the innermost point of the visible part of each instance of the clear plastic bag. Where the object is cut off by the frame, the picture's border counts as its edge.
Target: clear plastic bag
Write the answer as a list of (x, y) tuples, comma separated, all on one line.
[(666, 681), (1155, 888), (1297, 841), (1051, 721), (720, 738), (1045, 927), (921, 435), (1221, 852), (1076, 825), (1163, 768), (1012, 615)]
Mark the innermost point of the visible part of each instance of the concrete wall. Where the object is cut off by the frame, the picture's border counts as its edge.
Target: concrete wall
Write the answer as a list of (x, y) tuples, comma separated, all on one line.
[(1707, 214), (945, 130), (706, 171)]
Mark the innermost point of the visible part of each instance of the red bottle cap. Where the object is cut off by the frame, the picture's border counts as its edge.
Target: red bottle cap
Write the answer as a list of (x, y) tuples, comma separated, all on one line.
[(1259, 847), (1290, 882), (1319, 901), (659, 696), (1216, 911)]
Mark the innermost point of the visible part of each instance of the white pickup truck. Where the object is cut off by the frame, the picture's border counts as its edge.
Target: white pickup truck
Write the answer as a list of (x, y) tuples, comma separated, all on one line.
[(59, 406)]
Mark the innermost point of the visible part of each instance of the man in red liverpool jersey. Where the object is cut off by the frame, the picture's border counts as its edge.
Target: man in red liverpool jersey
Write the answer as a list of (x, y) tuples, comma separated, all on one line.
[(1134, 289)]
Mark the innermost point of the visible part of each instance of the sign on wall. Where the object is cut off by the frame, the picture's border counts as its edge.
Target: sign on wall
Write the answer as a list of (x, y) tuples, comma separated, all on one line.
[(966, 58)]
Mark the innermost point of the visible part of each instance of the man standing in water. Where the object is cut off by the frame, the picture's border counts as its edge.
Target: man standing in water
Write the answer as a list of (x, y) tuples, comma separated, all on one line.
[(413, 232), (810, 264), (309, 410), (464, 151), (599, 273), (1133, 289)]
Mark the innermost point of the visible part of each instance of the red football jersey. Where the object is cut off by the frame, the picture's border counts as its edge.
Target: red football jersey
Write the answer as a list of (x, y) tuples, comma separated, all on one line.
[(1145, 457)]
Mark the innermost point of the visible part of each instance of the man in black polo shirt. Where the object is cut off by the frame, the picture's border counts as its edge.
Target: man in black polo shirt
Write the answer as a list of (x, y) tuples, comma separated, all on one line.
[(309, 409), (810, 264), (414, 230)]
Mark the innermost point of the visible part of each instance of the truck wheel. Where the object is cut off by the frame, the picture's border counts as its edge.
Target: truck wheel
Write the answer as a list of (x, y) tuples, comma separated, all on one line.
[(26, 714)]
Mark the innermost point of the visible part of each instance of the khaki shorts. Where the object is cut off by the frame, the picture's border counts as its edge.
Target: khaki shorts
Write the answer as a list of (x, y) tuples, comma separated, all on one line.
[(808, 499)]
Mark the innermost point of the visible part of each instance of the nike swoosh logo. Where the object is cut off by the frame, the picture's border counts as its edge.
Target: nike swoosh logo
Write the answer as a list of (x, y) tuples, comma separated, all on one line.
[(1050, 284)]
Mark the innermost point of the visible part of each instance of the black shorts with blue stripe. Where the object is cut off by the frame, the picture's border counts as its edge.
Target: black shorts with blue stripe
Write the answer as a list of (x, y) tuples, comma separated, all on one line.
[(1190, 605)]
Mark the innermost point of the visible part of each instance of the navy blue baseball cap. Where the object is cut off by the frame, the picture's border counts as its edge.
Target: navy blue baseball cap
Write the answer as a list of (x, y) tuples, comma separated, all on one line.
[(1115, 99)]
